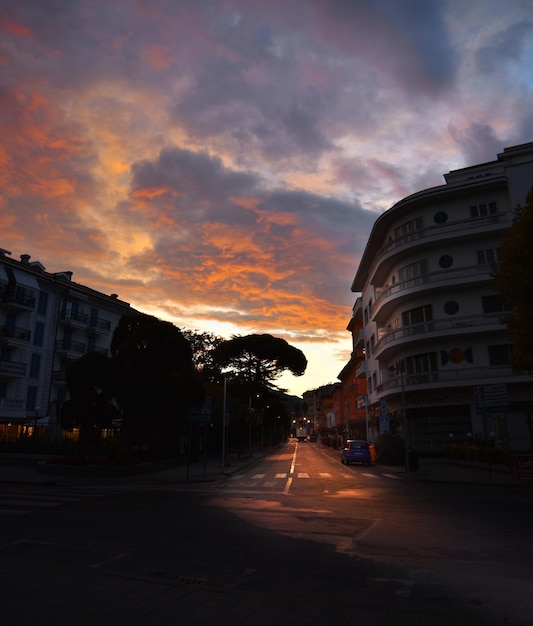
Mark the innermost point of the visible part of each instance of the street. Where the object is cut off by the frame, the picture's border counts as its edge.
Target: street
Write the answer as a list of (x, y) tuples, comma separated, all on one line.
[(295, 538)]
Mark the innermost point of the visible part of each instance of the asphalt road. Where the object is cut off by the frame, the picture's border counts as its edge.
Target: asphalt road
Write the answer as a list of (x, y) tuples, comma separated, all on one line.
[(297, 538)]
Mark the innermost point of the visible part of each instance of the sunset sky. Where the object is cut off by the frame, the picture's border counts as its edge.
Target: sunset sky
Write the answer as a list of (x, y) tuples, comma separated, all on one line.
[(220, 163)]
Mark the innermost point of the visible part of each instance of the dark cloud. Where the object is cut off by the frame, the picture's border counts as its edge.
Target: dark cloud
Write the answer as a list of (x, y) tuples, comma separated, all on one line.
[(478, 142)]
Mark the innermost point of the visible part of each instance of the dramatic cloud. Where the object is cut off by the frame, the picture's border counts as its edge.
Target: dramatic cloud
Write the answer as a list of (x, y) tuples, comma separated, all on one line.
[(221, 164)]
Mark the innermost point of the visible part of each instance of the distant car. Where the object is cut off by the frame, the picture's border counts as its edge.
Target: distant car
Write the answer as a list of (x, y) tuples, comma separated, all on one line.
[(358, 451)]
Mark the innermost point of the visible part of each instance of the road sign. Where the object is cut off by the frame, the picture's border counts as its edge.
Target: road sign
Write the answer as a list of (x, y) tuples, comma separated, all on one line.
[(491, 399)]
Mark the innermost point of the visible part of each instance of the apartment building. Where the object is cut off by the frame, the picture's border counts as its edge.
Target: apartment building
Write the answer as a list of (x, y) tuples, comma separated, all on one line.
[(436, 351), (46, 321)]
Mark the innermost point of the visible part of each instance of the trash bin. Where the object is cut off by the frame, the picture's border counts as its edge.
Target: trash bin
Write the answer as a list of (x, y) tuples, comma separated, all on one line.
[(412, 460)]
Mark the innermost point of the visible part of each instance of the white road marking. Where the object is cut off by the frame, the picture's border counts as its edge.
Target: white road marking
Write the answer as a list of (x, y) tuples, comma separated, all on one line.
[(256, 476), (281, 475), (393, 476), (324, 475), (370, 475), (303, 475)]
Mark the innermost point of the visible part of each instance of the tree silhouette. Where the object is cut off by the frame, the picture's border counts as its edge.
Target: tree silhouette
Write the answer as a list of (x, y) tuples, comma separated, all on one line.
[(514, 277), (256, 361)]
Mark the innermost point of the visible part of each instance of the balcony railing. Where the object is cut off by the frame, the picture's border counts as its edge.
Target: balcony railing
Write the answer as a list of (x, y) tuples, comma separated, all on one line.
[(471, 273), (450, 228), (13, 332), (99, 325), (473, 323), (11, 403), (74, 347), (457, 376), (74, 317), (18, 298), (12, 368)]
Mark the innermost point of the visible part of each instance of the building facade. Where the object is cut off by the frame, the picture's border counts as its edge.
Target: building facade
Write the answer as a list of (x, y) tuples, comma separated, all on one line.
[(46, 321), (436, 354)]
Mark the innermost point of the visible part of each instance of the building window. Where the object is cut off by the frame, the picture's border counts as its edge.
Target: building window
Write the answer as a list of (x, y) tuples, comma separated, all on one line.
[(35, 365), (415, 270), (369, 384), (421, 368), (42, 305), (446, 261), (417, 316), (493, 304), (410, 230), (451, 307), (3, 389), (500, 355), (487, 257), (38, 335), (31, 398), (482, 210), (440, 217)]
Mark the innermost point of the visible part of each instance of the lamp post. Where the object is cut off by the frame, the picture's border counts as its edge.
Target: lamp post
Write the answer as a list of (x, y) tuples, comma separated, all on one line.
[(224, 428)]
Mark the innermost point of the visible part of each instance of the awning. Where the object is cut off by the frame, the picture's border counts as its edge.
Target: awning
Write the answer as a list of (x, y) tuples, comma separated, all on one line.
[(28, 280)]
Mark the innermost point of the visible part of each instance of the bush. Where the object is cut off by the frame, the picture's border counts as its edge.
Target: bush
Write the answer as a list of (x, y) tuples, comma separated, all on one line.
[(479, 454), (390, 449)]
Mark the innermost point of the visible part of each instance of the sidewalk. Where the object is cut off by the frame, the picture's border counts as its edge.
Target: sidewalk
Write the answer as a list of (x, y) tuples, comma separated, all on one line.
[(30, 469)]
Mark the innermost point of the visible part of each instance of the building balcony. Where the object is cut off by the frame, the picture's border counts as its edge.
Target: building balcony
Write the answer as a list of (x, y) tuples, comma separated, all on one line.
[(18, 299), (451, 326), (99, 326), (14, 335), (11, 404), (360, 372), (70, 349), (387, 297), (456, 377), (359, 339), (10, 369), (58, 377), (75, 319), (451, 232)]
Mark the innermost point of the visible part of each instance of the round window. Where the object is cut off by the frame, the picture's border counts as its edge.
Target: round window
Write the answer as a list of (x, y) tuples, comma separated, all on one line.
[(445, 261), (440, 217), (451, 307)]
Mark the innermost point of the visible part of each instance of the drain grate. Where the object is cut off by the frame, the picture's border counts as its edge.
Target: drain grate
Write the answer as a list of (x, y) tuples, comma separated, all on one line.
[(191, 580)]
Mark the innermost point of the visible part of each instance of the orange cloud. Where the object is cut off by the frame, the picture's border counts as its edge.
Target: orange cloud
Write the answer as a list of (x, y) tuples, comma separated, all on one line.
[(13, 28), (157, 57)]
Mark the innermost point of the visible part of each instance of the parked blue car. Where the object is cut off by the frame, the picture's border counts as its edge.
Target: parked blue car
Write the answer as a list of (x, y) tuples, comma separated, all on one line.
[(358, 451)]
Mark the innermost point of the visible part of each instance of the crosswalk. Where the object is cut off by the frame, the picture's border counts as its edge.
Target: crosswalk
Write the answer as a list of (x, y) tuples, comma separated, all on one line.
[(24, 499), (281, 476)]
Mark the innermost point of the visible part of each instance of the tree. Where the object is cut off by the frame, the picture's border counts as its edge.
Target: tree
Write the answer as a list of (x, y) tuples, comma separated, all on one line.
[(514, 278), (203, 345), (255, 361), (90, 405), (154, 380)]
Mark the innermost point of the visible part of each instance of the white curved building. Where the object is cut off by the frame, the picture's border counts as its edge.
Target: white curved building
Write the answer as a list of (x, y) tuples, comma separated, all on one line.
[(435, 348)]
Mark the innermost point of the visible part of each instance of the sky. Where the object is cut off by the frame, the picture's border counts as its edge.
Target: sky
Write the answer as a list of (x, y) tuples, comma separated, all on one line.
[(220, 163)]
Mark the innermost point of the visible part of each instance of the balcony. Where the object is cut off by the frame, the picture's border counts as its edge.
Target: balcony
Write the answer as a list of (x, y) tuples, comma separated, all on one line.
[(430, 235), (14, 335), (360, 372), (99, 326), (457, 377), (12, 404), (75, 319), (389, 296), (18, 299), (70, 349), (464, 325), (10, 369)]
